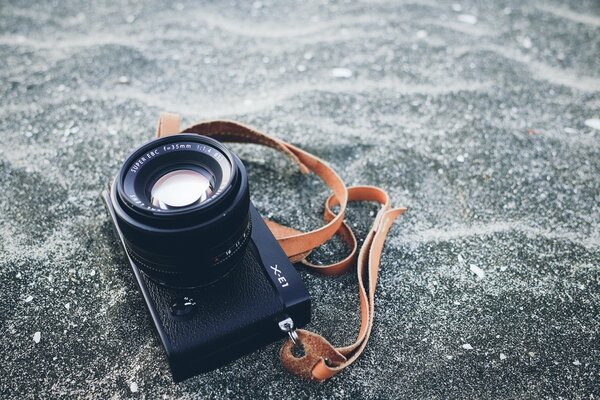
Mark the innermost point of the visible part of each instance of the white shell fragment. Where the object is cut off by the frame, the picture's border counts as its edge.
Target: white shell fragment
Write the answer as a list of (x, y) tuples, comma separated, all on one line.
[(477, 271), (593, 123), (341, 73), (467, 19)]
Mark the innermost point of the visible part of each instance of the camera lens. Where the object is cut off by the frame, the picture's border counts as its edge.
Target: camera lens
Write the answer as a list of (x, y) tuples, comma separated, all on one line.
[(182, 205)]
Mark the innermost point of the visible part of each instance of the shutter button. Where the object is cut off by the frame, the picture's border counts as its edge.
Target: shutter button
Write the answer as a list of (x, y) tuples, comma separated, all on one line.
[(183, 307)]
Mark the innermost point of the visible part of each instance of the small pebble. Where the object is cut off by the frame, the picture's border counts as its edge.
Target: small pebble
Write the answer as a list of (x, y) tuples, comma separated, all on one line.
[(477, 271), (577, 363), (467, 19), (593, 123), (133, 387), (456, 7), (467, 346), (28, 299), (37, 337), (502, 356), (341, 73)]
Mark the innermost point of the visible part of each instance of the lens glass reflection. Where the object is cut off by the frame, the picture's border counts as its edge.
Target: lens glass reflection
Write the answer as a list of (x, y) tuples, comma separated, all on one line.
[(181, 188)]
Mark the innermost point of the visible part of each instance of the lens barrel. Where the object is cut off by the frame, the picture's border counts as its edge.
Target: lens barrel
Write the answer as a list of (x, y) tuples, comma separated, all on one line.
[(199, 233)]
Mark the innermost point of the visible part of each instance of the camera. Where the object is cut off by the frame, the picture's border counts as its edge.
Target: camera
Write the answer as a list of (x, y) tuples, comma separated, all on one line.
[(216, 283)]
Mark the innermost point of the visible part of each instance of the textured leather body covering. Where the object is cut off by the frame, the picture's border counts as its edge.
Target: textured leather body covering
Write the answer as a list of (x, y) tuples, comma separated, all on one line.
[(235, 316), (242, 309)]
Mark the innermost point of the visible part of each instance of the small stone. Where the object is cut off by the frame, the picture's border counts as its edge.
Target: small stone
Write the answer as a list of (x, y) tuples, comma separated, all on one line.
[(526, 43), (123, 80), (460, 158), (577, 363), (570, 131), (467, 346), (341, 73), (67, 305), (308, 55), (37, 337), (130, 19), (133, 387), (467, 19), (477, 271), (502, 356), (421, 34), (593, 123), (301, 68), (28, 299), (531, 354), (456, 7)]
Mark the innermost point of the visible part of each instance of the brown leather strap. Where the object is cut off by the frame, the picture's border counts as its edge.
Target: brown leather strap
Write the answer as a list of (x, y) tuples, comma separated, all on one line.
[(294, 243), (321, 360)]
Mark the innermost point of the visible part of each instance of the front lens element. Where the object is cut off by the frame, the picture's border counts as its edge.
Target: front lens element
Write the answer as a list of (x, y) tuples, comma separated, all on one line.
[(180, 188)]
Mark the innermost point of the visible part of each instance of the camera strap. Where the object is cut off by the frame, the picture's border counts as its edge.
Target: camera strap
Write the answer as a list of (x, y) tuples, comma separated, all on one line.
[(320, 360)]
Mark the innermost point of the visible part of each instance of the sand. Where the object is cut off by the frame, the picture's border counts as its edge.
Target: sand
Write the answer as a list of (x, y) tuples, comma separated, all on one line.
[(482, 118)]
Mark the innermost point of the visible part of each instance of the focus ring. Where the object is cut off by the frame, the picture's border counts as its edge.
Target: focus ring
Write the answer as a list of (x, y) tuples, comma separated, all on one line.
[(154, 270)]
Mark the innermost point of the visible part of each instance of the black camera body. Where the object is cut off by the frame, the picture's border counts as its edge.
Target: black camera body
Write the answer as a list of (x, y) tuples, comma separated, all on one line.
[(206, 324)]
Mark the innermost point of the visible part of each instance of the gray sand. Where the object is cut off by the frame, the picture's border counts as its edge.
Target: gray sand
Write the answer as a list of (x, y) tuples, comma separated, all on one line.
[(481, 117)]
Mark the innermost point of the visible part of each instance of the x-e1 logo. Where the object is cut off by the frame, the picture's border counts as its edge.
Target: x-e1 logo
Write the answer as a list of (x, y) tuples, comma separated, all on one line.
[(280, 278)]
